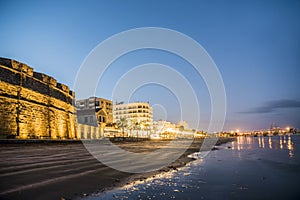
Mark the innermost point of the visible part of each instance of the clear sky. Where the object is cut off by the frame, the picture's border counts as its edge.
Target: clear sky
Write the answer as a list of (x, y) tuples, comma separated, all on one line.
[(255, 45)]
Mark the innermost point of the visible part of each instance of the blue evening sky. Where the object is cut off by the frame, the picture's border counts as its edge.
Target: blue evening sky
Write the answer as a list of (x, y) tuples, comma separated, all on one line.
[(255, 45)]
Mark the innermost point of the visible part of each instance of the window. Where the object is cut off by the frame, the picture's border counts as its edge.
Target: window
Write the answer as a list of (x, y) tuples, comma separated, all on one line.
[(91, 119), (85, 119)]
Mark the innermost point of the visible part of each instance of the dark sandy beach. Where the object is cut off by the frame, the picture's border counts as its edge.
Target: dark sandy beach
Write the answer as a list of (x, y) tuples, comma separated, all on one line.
[(67, 170)]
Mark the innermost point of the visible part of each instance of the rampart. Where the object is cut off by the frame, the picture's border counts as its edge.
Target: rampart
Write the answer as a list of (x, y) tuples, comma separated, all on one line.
[(34, 105)]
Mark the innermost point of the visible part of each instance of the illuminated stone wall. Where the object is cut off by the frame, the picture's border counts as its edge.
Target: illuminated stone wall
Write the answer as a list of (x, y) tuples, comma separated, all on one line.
[(34, 105), (85, 131)]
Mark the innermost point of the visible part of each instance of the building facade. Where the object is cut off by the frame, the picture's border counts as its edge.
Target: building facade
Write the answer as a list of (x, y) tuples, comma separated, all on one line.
[(183, 124), (168, 130), (136, 111), (94, 111)]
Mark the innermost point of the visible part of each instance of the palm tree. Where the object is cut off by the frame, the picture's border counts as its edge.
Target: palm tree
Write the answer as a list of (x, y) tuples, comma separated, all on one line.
[(137, 127), (147, 127), (122, 123), (181, 128), (131, 124)]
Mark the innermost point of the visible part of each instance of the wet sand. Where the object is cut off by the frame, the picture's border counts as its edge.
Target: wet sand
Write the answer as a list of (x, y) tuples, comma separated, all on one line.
[(67, 170), (249, 168)]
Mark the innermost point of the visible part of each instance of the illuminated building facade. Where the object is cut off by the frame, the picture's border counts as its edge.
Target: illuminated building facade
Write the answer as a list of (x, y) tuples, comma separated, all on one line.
[(136, 111)]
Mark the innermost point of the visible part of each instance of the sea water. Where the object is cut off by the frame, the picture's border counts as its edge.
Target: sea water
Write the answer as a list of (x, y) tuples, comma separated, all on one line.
[(248, 168)]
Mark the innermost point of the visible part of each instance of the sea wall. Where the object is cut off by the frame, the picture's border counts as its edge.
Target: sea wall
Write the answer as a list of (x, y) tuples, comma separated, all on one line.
[(34, 105), (85, 131)]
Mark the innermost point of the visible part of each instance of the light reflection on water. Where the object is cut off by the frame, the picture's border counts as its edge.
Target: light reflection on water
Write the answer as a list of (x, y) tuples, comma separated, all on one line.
[(233, 170), (282, 142)]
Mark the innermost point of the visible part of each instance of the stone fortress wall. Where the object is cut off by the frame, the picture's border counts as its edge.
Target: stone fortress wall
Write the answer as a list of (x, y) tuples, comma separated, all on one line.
[(34, 105)]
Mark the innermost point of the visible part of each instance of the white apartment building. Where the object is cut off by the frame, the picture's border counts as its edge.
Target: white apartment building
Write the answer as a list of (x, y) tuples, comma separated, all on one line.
[(136, 111)]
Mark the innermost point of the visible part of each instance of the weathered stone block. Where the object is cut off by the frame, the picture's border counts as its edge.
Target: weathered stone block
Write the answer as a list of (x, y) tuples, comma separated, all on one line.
[(5, 62), (72, 93), (15, 65), (63, 87), (52, 81), (26, 69)]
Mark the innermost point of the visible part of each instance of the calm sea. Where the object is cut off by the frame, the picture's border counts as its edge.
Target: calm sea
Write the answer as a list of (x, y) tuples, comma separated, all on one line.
[(249, 168)]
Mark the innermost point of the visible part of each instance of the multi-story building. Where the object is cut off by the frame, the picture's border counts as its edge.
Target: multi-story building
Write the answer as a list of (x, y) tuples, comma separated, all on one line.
[(169, 130), (183, 124), (94, 110), (136, 111), (165, 126)]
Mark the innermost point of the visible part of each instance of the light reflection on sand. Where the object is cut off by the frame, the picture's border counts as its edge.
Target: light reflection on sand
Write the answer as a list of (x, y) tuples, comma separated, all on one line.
[(152, 187), (140, 189)]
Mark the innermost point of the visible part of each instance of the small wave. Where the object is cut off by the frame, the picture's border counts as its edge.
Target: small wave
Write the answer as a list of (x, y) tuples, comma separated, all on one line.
[(199, 155)]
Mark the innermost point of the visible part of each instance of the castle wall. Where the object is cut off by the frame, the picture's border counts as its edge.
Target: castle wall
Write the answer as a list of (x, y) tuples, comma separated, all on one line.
[(34, 105)]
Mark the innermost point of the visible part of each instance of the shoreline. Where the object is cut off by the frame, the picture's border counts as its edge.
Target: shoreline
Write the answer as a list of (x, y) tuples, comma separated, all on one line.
[(247, 170), (68, 171), (182, 161)]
